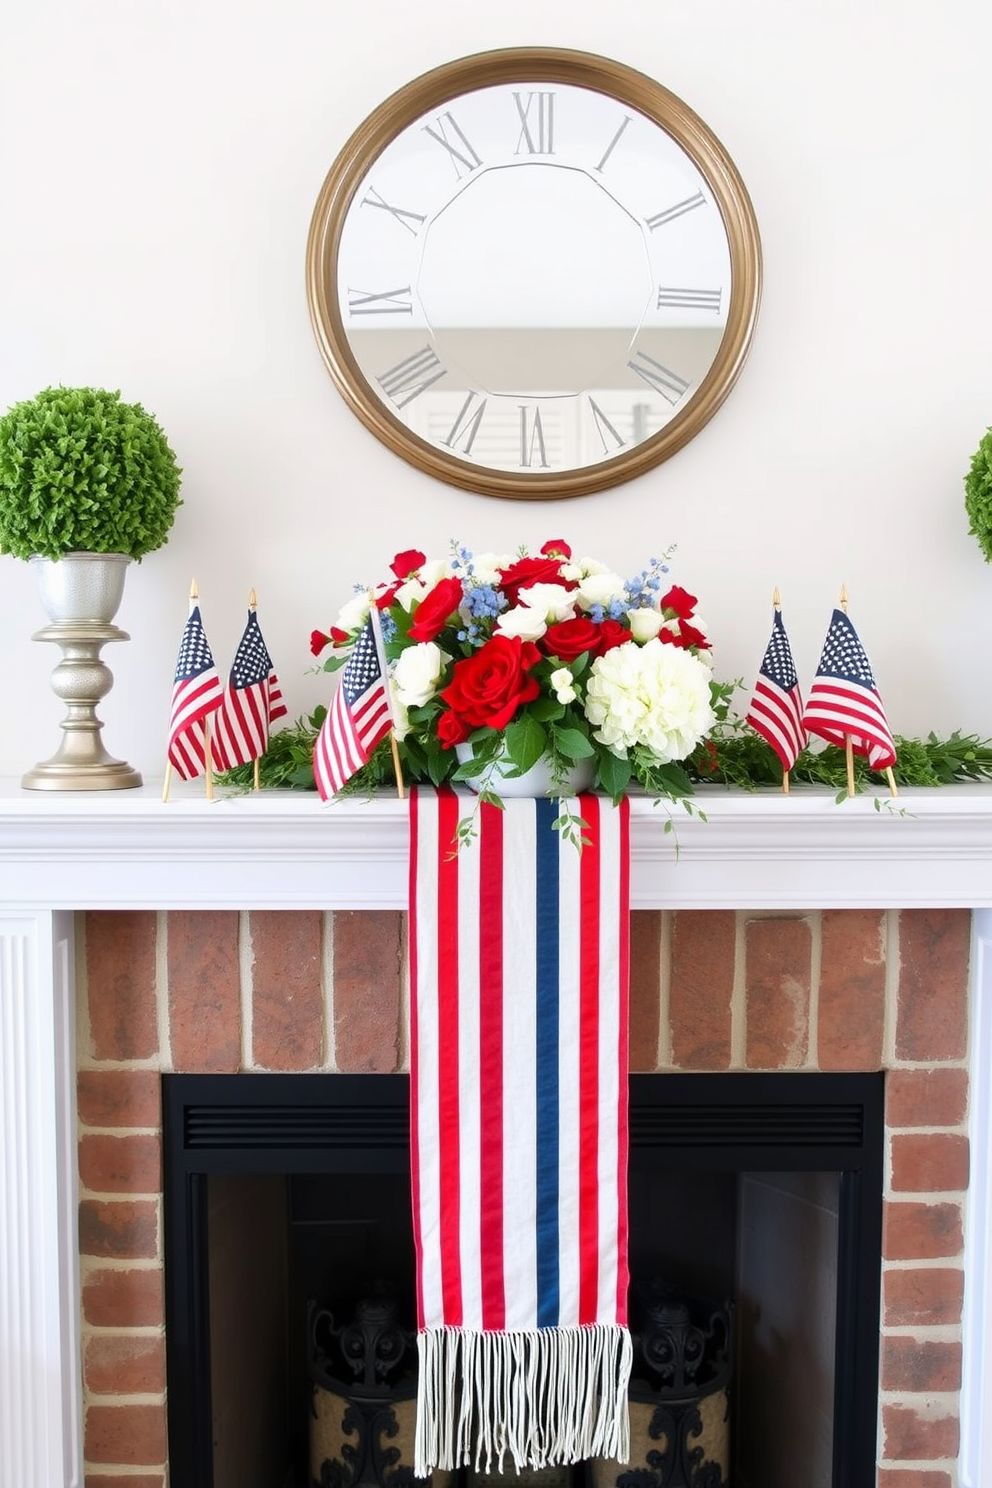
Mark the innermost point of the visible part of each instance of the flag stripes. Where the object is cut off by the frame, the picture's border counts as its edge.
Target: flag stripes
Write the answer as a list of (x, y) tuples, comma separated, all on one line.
[(519, 966), (776, 708), (838, 710)]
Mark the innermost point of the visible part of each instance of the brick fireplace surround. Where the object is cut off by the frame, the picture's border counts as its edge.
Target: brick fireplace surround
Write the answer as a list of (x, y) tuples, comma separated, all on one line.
[(251, 982)]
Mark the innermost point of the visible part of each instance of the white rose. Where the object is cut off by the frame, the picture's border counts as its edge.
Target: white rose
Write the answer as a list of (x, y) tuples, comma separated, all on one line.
[(486, 567), (353, 615), (644, 624), (553, 601), (434, 570), (527, 623), (600, 589), (656, 695), (587, 566), (564, 685), (412, 590), (416, 674)]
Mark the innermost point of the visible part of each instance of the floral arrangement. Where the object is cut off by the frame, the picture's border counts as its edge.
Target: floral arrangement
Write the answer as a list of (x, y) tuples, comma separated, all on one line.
[(499, 661)]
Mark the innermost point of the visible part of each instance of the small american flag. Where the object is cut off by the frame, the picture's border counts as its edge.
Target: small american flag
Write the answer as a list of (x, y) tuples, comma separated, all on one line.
[(844, 701), (776, 710), (359, 716), (252, 701), (196, 693)]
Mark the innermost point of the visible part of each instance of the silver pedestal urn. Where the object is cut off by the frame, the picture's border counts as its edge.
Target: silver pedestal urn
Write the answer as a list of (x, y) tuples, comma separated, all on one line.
[(81, 593)]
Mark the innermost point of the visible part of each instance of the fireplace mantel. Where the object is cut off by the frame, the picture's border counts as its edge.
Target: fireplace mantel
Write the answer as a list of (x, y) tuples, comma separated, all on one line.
[(61, 852), (286, 850)]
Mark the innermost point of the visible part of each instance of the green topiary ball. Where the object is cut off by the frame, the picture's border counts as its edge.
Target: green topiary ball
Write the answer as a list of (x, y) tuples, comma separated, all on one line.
[(82, 472), (978, 495)]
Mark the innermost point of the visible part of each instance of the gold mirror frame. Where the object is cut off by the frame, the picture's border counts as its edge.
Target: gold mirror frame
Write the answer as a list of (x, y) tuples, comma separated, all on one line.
[(522, 65)]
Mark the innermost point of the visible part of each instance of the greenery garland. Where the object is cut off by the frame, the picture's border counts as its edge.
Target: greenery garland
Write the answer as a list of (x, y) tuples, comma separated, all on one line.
[(735, 757)]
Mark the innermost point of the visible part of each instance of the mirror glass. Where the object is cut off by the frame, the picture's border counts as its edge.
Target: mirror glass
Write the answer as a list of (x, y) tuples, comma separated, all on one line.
[(527, 286)]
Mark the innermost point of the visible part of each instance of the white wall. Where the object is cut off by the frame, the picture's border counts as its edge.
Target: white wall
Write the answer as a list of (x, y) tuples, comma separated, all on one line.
[(159, 162)]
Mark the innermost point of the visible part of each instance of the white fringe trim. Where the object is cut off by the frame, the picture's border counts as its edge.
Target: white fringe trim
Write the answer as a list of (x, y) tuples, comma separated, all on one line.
[(546, 1397)]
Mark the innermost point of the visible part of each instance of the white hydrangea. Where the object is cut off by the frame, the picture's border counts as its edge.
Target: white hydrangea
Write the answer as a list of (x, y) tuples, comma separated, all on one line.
[(655, 695), (415, 678), (553, 601)]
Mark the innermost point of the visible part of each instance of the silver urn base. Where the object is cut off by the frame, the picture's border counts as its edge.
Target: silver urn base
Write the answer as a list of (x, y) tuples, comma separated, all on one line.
[(81, 594)]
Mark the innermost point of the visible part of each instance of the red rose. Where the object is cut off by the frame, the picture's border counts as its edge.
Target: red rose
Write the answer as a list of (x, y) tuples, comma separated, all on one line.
[(318, 640), (679, 601), (385, 599), (685, 637), (556, 549), (569, 638), (611, 633), (451, 730), (531, 571), (435, 610), (488, 687), (405, 564)]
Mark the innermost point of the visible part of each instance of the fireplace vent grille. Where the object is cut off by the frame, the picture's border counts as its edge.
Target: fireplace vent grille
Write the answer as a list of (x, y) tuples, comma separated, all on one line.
[(222, 1128)]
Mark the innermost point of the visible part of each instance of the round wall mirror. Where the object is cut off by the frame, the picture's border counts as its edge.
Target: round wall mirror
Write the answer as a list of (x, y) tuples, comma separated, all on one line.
[(533, 273)]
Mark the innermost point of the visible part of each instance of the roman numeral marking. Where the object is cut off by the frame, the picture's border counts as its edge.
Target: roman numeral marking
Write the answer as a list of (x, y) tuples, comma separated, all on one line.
[(603, 424), (543, 122), (400, 213), (613, 142), (386, 302), (465, 428), (660, 219), (664, 381), (470, 160), (410, 377), (690, 299), (535, 440)]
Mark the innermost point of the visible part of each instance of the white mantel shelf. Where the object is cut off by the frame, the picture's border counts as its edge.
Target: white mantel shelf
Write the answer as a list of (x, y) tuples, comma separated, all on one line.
[(285, 849)]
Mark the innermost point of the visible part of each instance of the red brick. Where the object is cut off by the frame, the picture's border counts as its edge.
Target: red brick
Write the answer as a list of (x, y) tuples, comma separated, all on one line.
[(777, 983), (126, 1434), (919, 1435), (131, 1164), (932, 1010), (119, 1298), (910, 1477), (922, 1232), (367, 990), (851, 1016), (287, 1000), (702, 983), (922, 1297), (120, 984), (926, 1097), (920, 1364), (121, 1230), (645, 988), (125, 1365), (119, 1097), (125, 1480), (204, 991), (935, 1162)]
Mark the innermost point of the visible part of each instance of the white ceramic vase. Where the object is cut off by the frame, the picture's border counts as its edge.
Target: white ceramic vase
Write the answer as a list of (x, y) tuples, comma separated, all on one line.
[(537, 781)]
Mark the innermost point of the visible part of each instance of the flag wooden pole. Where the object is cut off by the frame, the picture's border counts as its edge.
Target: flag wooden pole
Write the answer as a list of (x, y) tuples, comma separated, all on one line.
[(777, 607), (208, 772), (377, 632), (848, 740), (255, 775)]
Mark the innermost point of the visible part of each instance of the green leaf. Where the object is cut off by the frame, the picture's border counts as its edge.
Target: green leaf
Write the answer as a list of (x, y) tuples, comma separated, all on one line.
[(526, 742), (614, 774), (573, 743)]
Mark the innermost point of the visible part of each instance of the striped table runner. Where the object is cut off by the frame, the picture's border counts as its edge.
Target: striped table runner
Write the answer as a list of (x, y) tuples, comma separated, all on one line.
[(519, 973)]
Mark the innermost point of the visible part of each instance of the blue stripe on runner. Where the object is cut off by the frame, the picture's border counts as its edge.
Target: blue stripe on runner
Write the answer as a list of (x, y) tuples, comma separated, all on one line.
[(547, 1065)]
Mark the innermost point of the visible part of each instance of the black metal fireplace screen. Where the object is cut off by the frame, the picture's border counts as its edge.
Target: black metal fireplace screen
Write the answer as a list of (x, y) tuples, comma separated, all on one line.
[(336, 1147)]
